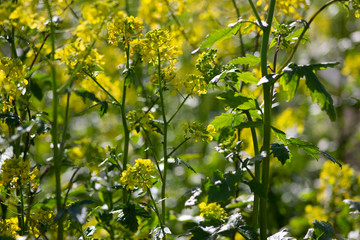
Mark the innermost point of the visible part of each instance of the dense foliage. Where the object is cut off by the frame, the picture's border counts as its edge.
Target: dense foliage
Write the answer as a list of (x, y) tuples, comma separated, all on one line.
[(144, 119)]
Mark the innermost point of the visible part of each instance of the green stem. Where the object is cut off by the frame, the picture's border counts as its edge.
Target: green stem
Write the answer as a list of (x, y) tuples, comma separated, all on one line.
[(267, 121), (255, 12), (257, 170), (54, 129), (242, 49), (157, 212), (178, 109), (163, 188), (123, 118), (307, 26)]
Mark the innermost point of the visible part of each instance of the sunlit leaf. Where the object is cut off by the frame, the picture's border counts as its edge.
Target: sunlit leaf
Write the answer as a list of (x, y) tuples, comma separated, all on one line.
[(238, 100), (221, 34), (247, 77), (249, 60)]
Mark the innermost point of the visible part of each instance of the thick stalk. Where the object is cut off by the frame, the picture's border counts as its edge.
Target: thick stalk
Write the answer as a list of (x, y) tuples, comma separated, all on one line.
[(267, 121), (123, 118), (163, 187), (54, 130)]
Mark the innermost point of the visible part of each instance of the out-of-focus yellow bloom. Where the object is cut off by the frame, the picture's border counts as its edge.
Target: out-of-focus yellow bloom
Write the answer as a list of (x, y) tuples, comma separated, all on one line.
[(124, 29), (16, 169), (288, 7), (315, 212), (139, 176), (9, 227), (12, 81), (138, 118), (352, 65), (340, 180), (195, 84), (289, 119), (76, 51), (41, 220), (199, 131), (212, 211), (155, 13)]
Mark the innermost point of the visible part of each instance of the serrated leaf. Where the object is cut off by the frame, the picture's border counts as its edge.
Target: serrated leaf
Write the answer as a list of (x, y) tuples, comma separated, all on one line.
[(309, 148), (328, 156), (322, 230), (89, 231), (251, 124), (290, 82), (238, 100), (257, 188), (283, 234), (280, 135), (158, 233), (78, 211), (247, 77), (195, 192), (319, 94), (249, 60), (281, 152), (127, 217), (221, 34), (223, 186), (178, 161), (226, 120), (10, 118), (353, 205), (248, 232), (222, 75)]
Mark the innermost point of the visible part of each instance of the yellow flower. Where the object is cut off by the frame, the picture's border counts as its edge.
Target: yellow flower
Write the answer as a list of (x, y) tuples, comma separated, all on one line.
[(138, 118), (315, 212), (124, 29), (138, 176), (9, 227), (198, 131), (212, 211), (352, 65)]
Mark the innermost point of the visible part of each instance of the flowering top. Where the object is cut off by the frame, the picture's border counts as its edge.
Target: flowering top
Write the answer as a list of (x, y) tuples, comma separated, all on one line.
[(138, 118), (16, 169), (124, 29), (199, 132), (212, 211), (139, 175), (12, 81), (157, 43), (9, 227)]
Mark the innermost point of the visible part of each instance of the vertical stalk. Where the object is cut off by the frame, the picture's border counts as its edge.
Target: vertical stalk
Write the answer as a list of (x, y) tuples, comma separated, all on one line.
[(123, 118), (163, 187), (267, 121), (54, 129)]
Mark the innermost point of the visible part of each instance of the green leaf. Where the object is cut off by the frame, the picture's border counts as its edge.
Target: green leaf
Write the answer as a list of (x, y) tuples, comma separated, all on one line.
[(10, 118), (290, 82), (283, 234), (257, 188), (328, 156), (270, 79), (354, 205), (280, 135), (78, 211), (238, 100), (249, 60), (158, 233), (281, 152), (226, 120), (127, 216), (223, 186), (89, 231), (247, 77), (322, 230), (221, 34), (141, 212), (249, 124), (222, 75), (36, 90), (248, 232), (309, 148), (319, 94), (179, 161)]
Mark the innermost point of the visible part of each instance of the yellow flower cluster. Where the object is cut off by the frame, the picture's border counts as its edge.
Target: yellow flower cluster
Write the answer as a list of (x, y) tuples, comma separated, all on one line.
[(340, 180), (157, 12), (14, 170), (12, 81), (199, 132), (77, 51), (124, 29), (315, 212), (139, 175), (42, 221), (352, 65), (158, 43), (212, 211), (138, 118), (288, 7), (9, 227), (195, 84)]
